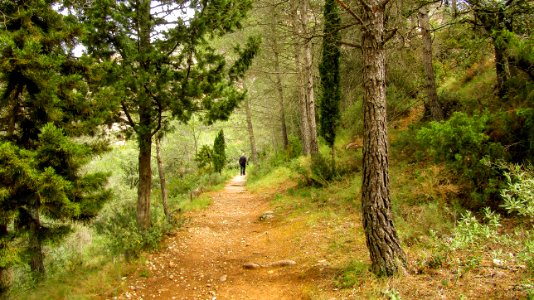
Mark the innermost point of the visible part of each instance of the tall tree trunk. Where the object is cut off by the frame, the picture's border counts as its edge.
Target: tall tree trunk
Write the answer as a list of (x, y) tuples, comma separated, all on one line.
[(280, 90), (250, 129), (195, 137), (35, 244), (501, 65), (432, 103), (162, 181), (145, 121), (304, 125), (145, 180), (384, 245), (308, 80), (454, 8), (278, 76)]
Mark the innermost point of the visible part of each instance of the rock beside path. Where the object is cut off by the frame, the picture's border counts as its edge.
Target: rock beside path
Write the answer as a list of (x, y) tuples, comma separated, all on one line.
[(280, 263)]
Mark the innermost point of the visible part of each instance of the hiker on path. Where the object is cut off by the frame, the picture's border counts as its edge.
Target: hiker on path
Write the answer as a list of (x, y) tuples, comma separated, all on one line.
[(242, 164)]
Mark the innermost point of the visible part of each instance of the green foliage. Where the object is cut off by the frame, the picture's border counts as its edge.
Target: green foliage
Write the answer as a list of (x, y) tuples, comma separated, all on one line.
[(518, 194), (461, 142), (400, 102), (122, 234), (197, 204), (148, 81), (352, 118), (520, 50), (204, 157), (392, 294), (246, 56), (470, 232), (47, 183), (321, 170), (329, 71), (219, 153)]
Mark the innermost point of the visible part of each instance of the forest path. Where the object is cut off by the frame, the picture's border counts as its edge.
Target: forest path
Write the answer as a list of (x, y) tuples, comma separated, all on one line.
[(205, 258)]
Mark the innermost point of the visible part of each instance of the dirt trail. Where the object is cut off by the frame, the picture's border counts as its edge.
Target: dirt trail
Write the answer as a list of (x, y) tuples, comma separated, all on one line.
[(205, 258)]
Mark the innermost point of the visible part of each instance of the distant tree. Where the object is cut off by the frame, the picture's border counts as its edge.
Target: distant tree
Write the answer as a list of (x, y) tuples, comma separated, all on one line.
[(250, 130), (329, 70), (431, 104), (219, 152), (45, 101), (303, 54), (157, 64)]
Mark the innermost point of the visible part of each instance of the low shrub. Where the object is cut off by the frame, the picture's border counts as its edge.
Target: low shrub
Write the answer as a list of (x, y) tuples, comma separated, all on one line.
[(118, 226), (461, 142)]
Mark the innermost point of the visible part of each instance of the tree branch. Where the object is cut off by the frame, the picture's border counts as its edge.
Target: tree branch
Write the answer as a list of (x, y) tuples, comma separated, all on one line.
[(350, 44), (390, 34), (352, 13), (130, 120), (160, 110)]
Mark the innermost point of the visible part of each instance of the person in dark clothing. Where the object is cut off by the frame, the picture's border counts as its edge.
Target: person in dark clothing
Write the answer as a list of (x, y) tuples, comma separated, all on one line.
[(242, 164)]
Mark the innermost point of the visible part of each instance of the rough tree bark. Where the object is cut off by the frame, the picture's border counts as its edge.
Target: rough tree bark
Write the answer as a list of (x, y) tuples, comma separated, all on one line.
[(278, 78), (304, 126), (431, 103), (145, 180), (250, 129), (387, 257), (162, 181), (280, 90), (35, 244), (501, 65), (144, 128), (308, 79)]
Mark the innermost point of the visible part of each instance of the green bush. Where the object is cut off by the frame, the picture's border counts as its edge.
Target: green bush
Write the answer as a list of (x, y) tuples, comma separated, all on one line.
[(461, 142), (204, 158), (321, 170)]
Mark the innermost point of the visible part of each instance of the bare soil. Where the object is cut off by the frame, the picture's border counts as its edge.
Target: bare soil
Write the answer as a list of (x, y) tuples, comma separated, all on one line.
[(205, 259)]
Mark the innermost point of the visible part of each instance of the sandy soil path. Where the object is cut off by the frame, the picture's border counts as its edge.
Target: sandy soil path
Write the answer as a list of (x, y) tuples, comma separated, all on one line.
[(205, 259)]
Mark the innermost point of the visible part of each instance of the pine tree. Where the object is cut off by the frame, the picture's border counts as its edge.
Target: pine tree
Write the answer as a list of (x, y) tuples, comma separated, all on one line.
[(158, 66), (219, 153), (45, 102), (329, 71), (387, 256)]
